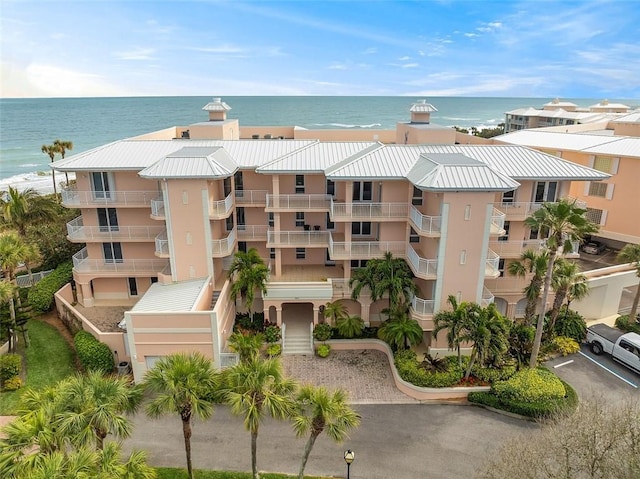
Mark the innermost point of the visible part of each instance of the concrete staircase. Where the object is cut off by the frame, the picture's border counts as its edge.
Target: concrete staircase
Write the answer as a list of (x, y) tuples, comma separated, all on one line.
[(297, 339), (214, 299)]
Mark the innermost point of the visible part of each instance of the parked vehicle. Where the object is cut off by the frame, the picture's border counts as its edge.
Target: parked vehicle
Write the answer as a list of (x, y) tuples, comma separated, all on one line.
[(594, 247), (623, 347)]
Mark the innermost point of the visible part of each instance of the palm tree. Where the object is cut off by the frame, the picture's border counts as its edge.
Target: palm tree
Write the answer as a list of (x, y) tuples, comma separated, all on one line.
[(400, 331), (7, 292), (19, 209), (565, 223), (248, 274), (63, 146), (350, 326), (453, 322), (256, 389), (50, 151), (335, 311), (96, 406), (246, 345), (319, 410), (534, 264), (567, 282), (182, 384), (631, 254)]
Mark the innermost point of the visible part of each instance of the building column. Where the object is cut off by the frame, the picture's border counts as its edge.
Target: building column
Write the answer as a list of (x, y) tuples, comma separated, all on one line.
[(316, 314), (279, 315), (87, 296), (365, 306)]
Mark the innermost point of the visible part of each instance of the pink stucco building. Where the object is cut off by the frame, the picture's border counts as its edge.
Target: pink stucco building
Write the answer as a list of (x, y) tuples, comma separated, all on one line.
[(163, 214)]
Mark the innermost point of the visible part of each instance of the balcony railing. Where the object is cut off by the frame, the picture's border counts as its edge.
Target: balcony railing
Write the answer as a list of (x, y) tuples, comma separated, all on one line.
[(307, 239), (366, 210), (298, 202), (225, 246), (251, 197), (522, 210), (422, 267), (74, 198), (425, 225), (252, 232), (76, 231), (513, 249), (492, 264), (83, 264), (487, 297), (422, 306), (157, 207), (221, 209), (497, 222), (339, 250), (162, 244)]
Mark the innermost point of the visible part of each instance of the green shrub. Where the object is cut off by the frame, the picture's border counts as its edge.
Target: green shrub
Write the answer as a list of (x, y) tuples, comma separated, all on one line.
[(627, 324), (41, 294), (12, 384), (322, 332), (350, 326), (565, 345), (10, 366), (272, 334), (323, 350), (530, 385), (274, 349), (492, 375), (570, 324), (93, 354), (409, 370)]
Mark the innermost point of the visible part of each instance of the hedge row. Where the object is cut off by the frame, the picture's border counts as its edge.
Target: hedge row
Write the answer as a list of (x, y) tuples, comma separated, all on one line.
[(93, 354), (409, 370), (41, 294)]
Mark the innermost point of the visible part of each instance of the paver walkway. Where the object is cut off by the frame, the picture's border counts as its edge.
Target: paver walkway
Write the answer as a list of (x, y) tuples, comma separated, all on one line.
[(364, 373)]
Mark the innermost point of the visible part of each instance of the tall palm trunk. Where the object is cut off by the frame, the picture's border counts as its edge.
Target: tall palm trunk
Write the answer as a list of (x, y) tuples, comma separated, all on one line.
[(472, 360), (14, 333), (254, 453), (186, 432), (100, 435), (307, 450), (561, 295), (533, 360)]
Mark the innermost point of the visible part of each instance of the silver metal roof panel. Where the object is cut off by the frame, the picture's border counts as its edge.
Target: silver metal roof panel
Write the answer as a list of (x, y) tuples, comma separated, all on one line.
[(193, 162), (181, 296)]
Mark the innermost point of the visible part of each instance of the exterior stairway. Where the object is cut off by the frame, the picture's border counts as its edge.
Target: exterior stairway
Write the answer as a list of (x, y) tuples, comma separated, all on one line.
[(297, 338), (214, 299)]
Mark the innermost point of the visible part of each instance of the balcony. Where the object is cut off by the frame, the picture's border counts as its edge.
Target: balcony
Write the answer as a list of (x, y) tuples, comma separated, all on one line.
[(513, 249), (298, 203), (219, 210), (78, 233), (252, 232), (340, 250), (424, 307), (487, 297), (421, 267), (491, 266), (519, 211), (157, 208), (225, 246), (425, 225), (298, 239), (497, 222), (124, 199), (162, 245), (251, 197), (119, 267), (367, 211)]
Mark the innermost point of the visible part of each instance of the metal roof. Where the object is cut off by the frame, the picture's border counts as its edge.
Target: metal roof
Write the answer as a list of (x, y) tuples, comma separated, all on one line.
[(193, 162), (216, 105), (553, 140), (421, 106), (317, 157), (633, 117), (557, 102), (627, 146), (181, 296)]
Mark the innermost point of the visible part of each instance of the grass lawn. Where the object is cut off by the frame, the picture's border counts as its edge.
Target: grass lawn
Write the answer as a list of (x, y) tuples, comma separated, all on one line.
[(177, 473), (48, 360)]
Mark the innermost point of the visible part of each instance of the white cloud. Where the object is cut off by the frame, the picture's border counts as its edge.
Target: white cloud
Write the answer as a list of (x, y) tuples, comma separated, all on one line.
[(470, 35), (410, 65), (404, 58), (135, 54), (337, 66)]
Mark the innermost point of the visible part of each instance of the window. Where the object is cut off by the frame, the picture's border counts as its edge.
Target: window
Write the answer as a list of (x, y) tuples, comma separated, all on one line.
[(330, 224), (299, 183), (598, 188), (545, 191), (240, 217), (154, 279), (300, 253), (107, 219), (596, 216), (508, 197), (271, 218), (300, 218), (467, 212), (358, 263), (416, 199), (327, 259), (463, 256), (229, 223), (242, 246), (535, 234), (501, 267), (505, 237), (133, 287), (602, 163), (413, 236), (238, 180), (112, 252), (362, 191), (331, 188), (361, 228), (226, 183), (101, 183), (272, 253)]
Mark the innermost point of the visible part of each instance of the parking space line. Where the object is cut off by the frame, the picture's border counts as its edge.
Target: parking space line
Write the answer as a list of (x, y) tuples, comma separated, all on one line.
[(563, 364), (608, 370)]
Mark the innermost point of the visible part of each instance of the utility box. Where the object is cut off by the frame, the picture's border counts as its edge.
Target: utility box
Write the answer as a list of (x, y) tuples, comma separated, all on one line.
[(124, 368)]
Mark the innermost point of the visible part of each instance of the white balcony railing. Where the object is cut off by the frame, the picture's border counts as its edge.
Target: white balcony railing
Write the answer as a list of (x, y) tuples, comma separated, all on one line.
[(492, 264), (423, 224), (422, 267), (318, 239), (368, 210), (513, 249), (521, 210), (487, 297), (73, 197), (157, 207), (162, 244), (299, 202), (364, 249), (422, 306), (497, 221), (83, 264), (76, 231), (251, 197), (225, 246), (222, 208), (252, 232)]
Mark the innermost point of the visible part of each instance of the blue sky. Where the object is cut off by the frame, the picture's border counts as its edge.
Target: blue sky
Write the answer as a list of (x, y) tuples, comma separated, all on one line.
[(569, 49)]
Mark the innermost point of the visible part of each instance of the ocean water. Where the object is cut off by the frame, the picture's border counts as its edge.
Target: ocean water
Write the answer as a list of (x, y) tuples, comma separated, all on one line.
[(27, 124)]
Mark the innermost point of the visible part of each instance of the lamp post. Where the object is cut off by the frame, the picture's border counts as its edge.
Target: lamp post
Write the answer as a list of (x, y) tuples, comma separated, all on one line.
[(349, 456)]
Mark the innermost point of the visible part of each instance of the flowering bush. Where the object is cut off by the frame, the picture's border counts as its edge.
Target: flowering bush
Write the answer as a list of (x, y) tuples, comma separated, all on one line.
[(323, 350), (12, 384), (565, 345), (530, 385)]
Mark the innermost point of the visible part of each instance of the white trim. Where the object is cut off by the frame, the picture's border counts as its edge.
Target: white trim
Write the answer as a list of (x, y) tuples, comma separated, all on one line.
[(207, 231), (587, 188), (603, 218), (168, 224), (444, 228), (615, 163), (609, 193), (591, 161), (484, 251)]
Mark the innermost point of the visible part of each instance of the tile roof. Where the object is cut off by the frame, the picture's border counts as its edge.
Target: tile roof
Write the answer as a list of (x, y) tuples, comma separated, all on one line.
[(193, 162)]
